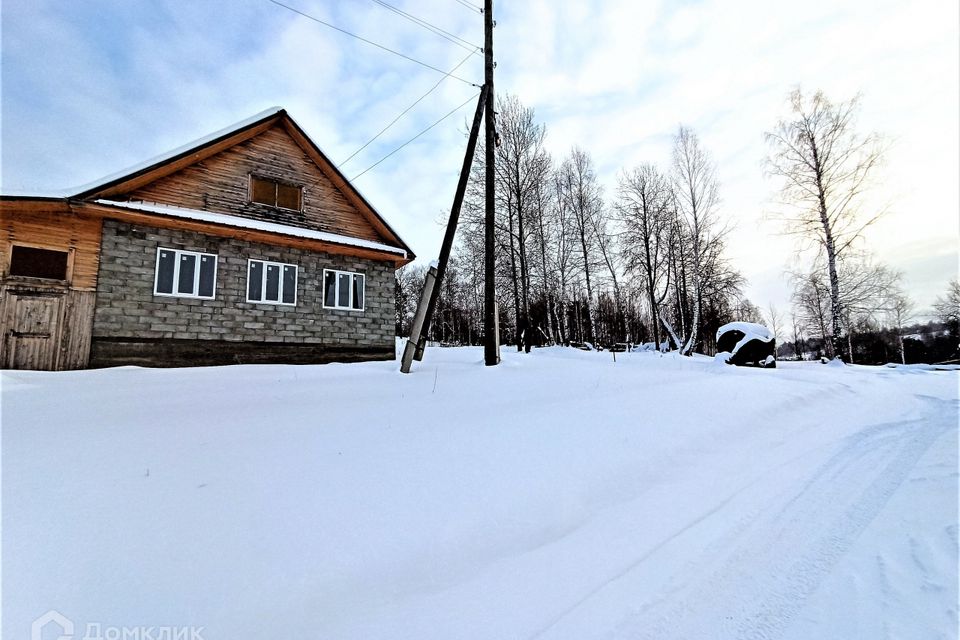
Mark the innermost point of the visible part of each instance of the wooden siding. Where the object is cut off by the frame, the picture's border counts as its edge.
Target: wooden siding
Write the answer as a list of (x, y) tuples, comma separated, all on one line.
[(78, 330), (220, 184), (51, 225), (45, 327), (48, 324)]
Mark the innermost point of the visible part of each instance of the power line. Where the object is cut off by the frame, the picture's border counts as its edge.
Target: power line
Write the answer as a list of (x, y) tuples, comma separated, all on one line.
[(455, 39), (379, 46), (470, 6), (465, 102), (404, 112)]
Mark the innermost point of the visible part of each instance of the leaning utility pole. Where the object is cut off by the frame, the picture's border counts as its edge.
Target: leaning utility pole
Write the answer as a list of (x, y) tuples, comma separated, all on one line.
[(417, 341), (491, 333)]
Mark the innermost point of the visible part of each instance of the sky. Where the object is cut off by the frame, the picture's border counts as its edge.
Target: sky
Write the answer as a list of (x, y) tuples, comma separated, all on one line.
[(88, 88)]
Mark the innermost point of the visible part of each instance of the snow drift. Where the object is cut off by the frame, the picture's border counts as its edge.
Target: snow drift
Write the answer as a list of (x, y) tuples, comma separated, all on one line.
[(559, 495)]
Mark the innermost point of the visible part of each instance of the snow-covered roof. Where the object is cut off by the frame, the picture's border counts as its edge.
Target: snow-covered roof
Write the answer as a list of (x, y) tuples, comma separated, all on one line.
[(249, 223), (146, 164), (102, 188), (173, 153)]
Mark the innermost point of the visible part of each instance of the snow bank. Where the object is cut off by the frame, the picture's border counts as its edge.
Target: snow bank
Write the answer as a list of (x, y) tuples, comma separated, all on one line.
[(558, 495)]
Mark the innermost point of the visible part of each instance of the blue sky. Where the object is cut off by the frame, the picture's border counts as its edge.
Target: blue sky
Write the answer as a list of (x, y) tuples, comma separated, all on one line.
[(91, 87)]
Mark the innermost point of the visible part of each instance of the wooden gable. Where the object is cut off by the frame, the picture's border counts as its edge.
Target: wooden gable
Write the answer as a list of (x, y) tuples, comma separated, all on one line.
[(215, 176), (221, 184)]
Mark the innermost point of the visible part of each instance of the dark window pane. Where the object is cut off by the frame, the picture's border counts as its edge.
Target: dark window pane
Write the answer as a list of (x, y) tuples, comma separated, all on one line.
[(255, 281), (273, 283), (208, 272), (38, 263), (329, 288), (188, 266), (263, 191), (165, 266), (288, 197), (358, 291), (289, 284), (343, 290)]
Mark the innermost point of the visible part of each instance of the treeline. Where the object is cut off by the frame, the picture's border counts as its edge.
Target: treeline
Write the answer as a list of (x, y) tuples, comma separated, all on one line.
[(647, 263), (573, 264), (883, 332)]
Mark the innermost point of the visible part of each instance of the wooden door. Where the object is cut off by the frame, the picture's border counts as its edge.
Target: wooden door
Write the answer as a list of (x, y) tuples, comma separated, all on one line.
[(31, 330)]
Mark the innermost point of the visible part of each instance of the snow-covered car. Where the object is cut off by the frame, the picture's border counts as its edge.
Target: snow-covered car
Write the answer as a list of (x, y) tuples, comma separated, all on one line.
[(746, 344)]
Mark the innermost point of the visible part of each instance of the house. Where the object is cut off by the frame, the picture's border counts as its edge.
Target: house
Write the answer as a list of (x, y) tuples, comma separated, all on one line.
[(248, 246)]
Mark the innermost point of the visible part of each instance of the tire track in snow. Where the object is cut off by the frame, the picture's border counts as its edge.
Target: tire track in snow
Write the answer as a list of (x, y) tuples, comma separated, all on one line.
[(765, 580)]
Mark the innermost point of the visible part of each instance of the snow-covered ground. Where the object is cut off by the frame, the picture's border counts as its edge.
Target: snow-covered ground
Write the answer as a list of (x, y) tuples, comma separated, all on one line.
[(559, 495)]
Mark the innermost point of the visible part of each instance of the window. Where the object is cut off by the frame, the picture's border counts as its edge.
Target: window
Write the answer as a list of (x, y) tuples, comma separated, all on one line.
[(275, 194), (185, 274), (343, 290), (271, 282), (31, 262)]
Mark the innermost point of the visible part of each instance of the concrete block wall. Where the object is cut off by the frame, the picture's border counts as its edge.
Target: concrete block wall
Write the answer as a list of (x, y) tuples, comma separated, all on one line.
[(127, 308)]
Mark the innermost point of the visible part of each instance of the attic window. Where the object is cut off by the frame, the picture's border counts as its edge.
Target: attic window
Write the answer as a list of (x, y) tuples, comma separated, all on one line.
[(276, 194), (30, 262)]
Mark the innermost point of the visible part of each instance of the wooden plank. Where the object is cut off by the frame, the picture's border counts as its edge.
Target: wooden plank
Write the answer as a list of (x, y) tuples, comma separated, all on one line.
[(340, 182), (58, 229), (31, 329), (221, 184), (74, 351)]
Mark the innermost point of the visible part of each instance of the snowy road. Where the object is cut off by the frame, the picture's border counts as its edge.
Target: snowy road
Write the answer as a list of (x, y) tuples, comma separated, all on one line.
[(765, 562), (650, 498)]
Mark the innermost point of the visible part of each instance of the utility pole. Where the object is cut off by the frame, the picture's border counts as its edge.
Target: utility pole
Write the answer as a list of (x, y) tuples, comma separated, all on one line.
[(434, 277), (491, 342)]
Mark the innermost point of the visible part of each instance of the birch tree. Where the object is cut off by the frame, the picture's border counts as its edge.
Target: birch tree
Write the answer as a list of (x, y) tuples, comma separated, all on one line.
[(644, 206), (824, 166), (581, 193), (697, 197)]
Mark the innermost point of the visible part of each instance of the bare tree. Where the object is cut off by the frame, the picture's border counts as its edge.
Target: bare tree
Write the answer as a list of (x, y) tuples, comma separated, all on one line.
[(644, 204), (582, 199), (775, 319), (824, 166), (947, 308), (408, 283), (606, 244), (811, 301), (798, 346), (697, 198), (522, 165), (900, 309)]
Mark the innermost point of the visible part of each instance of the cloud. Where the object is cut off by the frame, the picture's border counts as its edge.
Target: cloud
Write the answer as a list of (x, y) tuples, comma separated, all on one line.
[(91, 87)]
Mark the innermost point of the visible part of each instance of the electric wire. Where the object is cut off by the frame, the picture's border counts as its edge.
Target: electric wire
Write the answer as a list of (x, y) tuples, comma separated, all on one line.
[(455, 39), (404, 112), (454, 110), (470, 6), (370, 42)]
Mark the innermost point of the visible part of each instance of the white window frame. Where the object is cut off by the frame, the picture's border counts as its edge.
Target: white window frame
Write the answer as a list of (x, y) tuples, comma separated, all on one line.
[(263, 282), (336, 289), (176, 274)]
